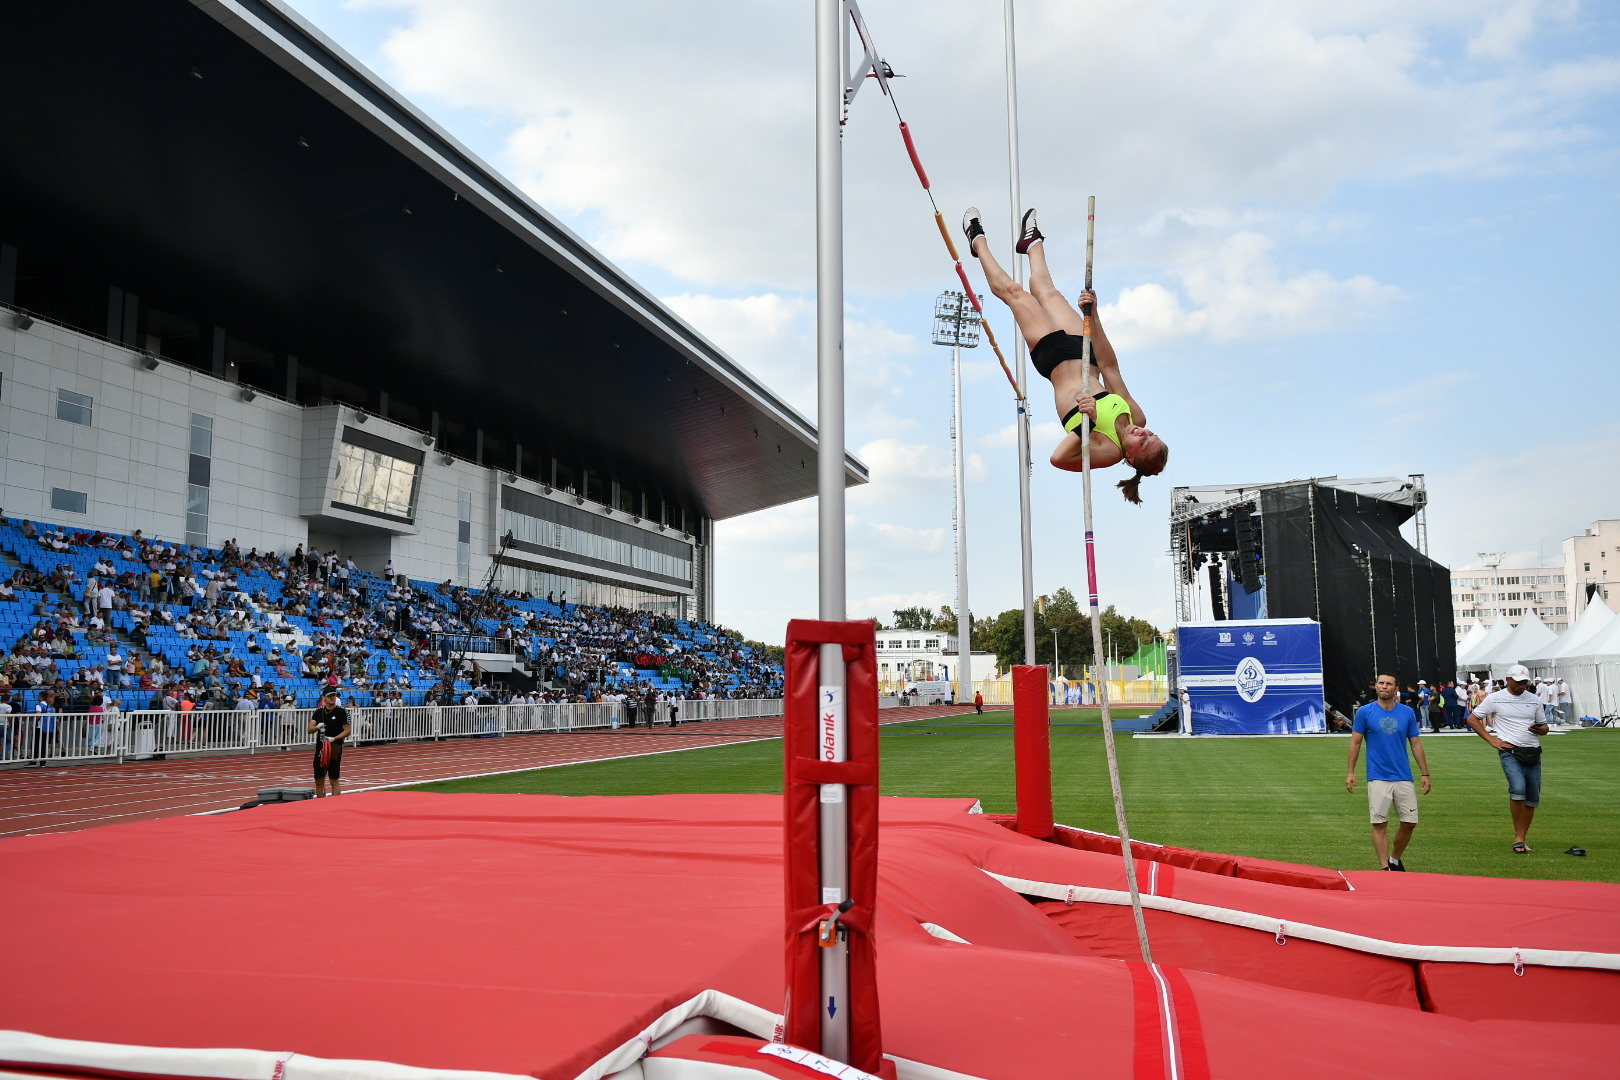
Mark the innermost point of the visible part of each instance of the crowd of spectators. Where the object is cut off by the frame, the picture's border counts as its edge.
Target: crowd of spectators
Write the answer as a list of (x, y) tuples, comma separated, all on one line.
[(91, 620)]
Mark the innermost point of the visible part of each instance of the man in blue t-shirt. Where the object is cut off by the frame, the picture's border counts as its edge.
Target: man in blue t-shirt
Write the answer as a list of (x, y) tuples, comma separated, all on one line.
[(1387, 726)]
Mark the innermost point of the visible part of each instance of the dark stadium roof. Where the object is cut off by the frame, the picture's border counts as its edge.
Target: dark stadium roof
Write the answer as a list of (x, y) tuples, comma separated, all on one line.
[(223, 158)]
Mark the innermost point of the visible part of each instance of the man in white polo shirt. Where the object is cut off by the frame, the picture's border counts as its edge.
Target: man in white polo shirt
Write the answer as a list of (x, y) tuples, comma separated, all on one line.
[(1516, 715)]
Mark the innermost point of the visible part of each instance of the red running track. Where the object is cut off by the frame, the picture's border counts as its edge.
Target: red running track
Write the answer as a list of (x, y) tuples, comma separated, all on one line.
[(81, 797)]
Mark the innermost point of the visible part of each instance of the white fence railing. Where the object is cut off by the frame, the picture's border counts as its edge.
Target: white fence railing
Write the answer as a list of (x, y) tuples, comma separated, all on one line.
[(32, 738)]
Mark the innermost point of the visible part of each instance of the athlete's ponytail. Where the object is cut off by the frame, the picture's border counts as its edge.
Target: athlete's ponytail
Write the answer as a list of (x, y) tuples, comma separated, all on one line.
[(1129, 488), (1151, 464)]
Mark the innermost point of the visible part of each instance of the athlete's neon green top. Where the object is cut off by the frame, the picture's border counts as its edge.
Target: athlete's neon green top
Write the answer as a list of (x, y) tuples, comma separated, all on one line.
[(1110, 407)]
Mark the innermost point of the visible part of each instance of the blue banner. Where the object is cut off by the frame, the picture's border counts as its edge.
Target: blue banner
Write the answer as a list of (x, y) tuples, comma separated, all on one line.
[(1254, 677)]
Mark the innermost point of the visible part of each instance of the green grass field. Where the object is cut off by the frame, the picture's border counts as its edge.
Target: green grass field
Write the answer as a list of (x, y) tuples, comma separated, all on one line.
[(1274, 798)]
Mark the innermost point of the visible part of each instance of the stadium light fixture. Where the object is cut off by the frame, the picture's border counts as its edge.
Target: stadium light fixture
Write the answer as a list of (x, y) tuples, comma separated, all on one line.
[(546, 488), (427, 440), (148, 361), (446, 459), (359, 416), (248, 393), (511, 478), (22, 320)]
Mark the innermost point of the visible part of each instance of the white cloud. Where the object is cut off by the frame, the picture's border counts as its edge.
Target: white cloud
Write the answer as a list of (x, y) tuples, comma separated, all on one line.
[(1234, 289), (686, 144)]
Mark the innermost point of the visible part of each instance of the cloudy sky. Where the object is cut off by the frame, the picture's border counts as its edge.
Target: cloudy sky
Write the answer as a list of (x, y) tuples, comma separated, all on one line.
[(1360, 239)]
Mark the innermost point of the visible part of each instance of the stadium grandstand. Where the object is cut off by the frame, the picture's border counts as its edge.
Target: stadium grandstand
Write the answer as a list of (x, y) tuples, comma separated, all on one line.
[(281, 364)]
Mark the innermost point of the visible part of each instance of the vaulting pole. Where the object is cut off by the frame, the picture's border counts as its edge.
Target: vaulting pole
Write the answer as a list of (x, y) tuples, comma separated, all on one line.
[(831, 56), (1096, 616), (1015, 267)]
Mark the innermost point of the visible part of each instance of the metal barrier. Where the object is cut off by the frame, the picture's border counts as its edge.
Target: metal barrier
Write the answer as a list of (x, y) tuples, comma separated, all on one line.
[(64, 738)]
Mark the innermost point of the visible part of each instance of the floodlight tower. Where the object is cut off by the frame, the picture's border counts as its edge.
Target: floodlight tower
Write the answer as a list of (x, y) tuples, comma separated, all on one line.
[(956, 324)]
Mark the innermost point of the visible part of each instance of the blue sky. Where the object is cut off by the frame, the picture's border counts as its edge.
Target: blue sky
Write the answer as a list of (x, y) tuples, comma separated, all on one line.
[(1368, 239)]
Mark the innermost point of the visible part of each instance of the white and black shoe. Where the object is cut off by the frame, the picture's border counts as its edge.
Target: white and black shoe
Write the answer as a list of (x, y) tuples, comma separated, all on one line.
[(972, 227), (1396, 864), (1029, 233)]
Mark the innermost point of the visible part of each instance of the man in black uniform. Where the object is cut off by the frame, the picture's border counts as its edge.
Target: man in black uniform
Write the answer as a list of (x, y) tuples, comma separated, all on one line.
[(331, 724)]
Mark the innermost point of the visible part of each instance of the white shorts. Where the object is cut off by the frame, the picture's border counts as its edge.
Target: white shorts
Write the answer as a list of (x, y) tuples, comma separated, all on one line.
[(1401, 793)]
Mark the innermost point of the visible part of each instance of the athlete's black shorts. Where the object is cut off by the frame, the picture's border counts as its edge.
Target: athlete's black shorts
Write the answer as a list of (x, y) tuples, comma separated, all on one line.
[(1056, 347), (334, 771)]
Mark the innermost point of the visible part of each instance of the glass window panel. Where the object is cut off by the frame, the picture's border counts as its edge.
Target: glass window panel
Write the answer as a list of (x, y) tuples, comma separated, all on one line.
[(202, 435), (73, 502), (74, 408), (375, 481)]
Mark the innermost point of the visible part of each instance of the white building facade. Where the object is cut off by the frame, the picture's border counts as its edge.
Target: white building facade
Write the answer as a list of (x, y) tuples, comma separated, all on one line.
[(1484, 593), (920, 655), (98, 435), (1592, 564)]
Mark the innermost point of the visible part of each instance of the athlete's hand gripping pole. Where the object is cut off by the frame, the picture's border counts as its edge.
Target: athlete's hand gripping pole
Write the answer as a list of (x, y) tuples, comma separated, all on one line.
[(1096, 616)]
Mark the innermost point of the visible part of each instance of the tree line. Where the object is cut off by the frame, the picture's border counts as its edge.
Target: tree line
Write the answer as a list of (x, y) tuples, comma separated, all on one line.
[(1004, 634)]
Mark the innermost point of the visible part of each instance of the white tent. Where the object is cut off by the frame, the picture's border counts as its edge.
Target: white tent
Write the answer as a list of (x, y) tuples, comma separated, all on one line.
[(1594, 622), (1531, 637), (1470, 641), (1594, 678), (1498, 632)]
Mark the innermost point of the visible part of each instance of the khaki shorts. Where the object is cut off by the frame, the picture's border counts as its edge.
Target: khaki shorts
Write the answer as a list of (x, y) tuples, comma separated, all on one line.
[(1381, 794)]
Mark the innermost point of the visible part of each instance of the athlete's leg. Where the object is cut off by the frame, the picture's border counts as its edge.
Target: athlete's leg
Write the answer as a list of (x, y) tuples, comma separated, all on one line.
[(1051, 300), (1033, 321)]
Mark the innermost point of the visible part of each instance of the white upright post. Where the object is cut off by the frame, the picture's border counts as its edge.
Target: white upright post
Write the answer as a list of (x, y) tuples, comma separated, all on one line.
[(964, 620), (1015, 267), (834, 832)]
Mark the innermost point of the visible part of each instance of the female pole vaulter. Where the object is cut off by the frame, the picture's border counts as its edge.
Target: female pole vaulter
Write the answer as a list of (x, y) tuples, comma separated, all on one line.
[(1053, 330)]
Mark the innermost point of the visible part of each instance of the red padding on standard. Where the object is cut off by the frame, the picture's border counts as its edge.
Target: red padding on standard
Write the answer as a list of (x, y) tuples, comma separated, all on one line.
[(1240, 953), (801, 831), (1032, 750), (911, 148)]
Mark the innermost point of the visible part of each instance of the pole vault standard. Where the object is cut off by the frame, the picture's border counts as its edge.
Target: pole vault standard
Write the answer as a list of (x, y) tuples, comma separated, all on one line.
[(1096, 617), (831, 97), (1015, 267)]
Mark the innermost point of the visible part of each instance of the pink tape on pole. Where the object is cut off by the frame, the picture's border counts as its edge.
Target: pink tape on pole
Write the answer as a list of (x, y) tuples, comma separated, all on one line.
[(1091, 568), (911, 148)]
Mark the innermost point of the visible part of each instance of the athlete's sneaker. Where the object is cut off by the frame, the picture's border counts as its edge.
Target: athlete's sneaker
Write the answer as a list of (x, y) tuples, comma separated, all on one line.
[(1396, 864), (972, 227), (1029, 233)]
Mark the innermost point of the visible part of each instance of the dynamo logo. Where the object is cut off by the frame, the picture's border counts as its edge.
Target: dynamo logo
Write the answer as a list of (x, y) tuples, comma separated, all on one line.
[(1251, 679)]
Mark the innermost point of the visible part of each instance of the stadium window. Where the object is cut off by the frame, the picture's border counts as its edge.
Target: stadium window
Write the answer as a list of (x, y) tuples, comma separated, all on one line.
[(70, 502), (1558, 579), (913, 643), (931, 643), (371, 480), (199, 474), (464, 536), (74, 408)]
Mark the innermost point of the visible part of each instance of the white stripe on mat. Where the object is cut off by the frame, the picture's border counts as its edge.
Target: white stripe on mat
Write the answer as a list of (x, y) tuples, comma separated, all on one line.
[(1287, 928)]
